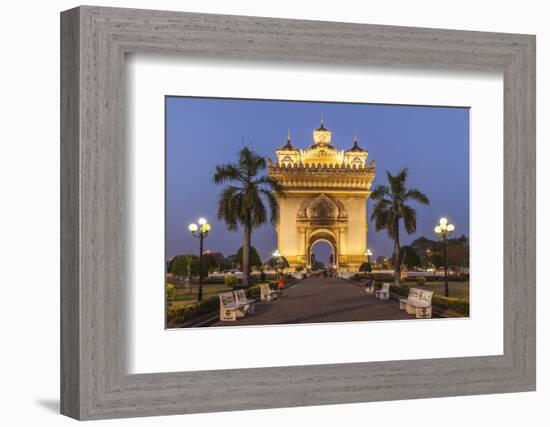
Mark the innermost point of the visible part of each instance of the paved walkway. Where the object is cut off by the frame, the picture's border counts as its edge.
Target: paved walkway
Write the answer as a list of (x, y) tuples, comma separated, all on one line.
[(315, 300)]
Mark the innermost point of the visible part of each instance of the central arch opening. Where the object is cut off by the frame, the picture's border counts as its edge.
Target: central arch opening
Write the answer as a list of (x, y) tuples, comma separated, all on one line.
[(322, 255)]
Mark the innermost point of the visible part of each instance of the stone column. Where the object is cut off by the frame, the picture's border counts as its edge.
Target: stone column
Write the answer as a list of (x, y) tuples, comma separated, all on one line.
[(303, 245)]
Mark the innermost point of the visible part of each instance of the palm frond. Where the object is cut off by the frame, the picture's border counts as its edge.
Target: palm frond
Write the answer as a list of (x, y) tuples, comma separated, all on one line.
[(391, 207), (258, 212), (417, 196), (271, 183), (244, 201), (397, 183), (379, 192), (402, 175), (381, 215), (409, 219), (229, 205), (250, 163), (227, 173), (273, 205)]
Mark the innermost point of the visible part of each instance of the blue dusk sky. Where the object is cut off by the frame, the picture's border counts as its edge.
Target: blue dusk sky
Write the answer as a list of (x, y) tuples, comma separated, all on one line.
[(433, 142)]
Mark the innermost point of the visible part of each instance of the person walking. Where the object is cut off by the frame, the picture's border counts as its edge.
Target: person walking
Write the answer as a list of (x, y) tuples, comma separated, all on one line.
[(281, 284)]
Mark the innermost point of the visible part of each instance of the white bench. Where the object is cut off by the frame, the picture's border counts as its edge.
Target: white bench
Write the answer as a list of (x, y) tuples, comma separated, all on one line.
[(419, 303), (370, 289), (249, 305), (266, 293), (384, 293), (230, 310)]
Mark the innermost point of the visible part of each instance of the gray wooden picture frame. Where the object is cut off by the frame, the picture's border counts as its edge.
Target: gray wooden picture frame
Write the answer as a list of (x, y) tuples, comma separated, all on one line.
[(94, 41)]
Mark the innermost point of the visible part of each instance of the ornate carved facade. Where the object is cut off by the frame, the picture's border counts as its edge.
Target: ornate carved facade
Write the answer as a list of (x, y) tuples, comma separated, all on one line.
[(326, 199)]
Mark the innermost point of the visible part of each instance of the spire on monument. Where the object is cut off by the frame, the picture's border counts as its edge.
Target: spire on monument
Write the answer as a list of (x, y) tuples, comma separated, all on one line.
[(288, 145), (322, 135), (355, 147)]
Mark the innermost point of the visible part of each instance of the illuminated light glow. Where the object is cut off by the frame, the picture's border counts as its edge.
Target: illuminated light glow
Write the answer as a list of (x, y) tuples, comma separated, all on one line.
[(443, 221), (193, 227), (206, 227), (437, 229), (202, 221), (450, 227)]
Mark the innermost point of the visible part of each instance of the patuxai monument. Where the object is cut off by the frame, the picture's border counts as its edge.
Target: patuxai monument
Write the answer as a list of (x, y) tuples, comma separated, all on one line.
[(326, 200)]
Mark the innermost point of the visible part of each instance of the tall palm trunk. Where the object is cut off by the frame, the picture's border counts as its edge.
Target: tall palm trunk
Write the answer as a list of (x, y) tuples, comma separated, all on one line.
[(396, 256), (246, 255)]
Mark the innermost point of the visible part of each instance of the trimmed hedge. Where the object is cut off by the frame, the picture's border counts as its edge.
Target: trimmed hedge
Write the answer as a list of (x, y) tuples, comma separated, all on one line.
[(420, 280), (402, 291), (177, 316), (384, 277), (455, 304)]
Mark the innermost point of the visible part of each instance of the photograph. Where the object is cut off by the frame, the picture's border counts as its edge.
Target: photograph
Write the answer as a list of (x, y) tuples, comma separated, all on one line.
[(286, 212)]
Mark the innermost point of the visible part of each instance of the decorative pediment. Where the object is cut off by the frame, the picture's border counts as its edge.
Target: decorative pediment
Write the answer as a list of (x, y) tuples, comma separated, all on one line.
[(322, 208)]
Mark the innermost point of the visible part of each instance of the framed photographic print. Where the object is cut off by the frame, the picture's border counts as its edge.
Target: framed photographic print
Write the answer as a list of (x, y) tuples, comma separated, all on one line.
[(304, 212), (307, 212)]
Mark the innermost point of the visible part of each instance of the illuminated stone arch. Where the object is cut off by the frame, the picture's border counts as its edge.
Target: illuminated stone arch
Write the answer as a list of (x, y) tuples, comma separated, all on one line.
[(323, 235)]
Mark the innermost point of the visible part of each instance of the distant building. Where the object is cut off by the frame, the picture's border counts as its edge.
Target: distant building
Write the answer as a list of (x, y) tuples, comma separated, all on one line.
[(218, 256)]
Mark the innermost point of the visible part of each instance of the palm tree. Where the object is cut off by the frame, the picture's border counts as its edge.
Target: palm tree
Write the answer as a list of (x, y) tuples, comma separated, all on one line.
[(391, 207), (242, 201)]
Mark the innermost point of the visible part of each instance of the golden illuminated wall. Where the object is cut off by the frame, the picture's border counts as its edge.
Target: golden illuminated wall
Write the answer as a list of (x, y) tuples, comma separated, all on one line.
[(326, 199)]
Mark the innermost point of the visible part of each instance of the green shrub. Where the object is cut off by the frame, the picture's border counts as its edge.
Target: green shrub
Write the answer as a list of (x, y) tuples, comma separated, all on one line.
[(457, 305), (420, 280), (170, 291), (176, 316), (230, 280), (382, 277), (366, 267), (402, 290), (213, 280)]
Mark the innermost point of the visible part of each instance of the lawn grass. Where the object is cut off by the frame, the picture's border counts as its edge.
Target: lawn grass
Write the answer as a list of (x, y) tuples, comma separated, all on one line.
[(183, 298), (456, 289)]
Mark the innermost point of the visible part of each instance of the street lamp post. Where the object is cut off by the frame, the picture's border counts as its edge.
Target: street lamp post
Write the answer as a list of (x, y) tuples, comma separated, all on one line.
[(368, 254), (278, 261), (200, 232), (443, 229)]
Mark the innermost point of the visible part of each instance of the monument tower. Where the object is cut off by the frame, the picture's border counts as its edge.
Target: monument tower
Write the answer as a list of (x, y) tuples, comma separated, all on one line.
[(326, 200)]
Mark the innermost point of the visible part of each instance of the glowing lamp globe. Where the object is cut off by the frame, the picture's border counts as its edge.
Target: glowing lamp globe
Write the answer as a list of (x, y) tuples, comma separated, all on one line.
[(193, 228)]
